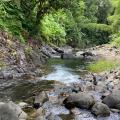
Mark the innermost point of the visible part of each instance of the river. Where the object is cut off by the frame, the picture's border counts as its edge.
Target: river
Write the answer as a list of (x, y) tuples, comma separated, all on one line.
[(64, 71)]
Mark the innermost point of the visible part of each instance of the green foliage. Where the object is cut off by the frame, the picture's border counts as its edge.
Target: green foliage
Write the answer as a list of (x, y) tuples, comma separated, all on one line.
[(74, 22), (52, 30), (102, 65), (116, 41), (98, 27), (114, 20), (9, 19)]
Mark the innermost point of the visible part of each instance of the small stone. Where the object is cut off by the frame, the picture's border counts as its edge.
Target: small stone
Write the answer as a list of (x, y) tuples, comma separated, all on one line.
[(23, 104)]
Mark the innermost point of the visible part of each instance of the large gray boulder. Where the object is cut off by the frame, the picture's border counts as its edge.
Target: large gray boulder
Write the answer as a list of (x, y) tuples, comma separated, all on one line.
[(11, 111), (100, 109), (113, 100), (80, 100)]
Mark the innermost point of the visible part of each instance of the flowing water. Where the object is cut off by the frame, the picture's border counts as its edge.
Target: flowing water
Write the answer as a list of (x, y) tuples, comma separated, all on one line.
[(65, 71)]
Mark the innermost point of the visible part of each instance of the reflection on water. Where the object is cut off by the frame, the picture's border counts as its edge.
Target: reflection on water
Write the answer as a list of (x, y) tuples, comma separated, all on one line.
[(24, 90)]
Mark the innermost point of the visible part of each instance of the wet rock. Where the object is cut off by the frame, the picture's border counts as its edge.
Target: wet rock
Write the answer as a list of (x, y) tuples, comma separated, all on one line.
[(10, 111), (100, 109), (113, 100), (80, 100), (58, 50), (115, 110), (40, 99), (86, 54), (23, 104)]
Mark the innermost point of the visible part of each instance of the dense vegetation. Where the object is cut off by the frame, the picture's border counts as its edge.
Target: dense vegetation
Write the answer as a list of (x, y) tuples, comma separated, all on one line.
[(74, 22)]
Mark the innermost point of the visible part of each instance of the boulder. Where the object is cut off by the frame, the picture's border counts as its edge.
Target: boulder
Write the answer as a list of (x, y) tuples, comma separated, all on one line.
[(100, 109), (86, 54), (80, 100), (58, 50), (113, 99), (40, 99), (10, 111)]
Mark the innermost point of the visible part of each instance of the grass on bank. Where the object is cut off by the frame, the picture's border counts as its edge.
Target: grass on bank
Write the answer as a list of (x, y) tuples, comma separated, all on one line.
[(102, 65), (116, 42)]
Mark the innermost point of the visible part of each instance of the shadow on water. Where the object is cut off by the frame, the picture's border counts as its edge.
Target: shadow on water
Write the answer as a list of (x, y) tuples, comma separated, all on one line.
[(24, 90), (69, 63)]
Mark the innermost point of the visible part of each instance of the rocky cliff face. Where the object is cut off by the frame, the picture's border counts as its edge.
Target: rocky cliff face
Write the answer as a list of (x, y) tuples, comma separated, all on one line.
[(18, 59)]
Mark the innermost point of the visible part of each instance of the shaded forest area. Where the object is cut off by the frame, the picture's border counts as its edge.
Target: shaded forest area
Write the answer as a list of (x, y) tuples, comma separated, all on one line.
[(78, 23)]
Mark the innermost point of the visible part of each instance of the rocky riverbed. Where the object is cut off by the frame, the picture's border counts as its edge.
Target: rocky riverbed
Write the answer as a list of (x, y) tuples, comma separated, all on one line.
[(61, 90), (71, 95)]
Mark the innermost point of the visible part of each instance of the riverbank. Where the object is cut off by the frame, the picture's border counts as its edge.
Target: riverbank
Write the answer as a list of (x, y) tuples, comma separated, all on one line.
[(19, 60)]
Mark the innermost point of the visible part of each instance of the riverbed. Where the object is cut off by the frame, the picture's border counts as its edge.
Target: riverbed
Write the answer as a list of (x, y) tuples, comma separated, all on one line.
[(66, 72)]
